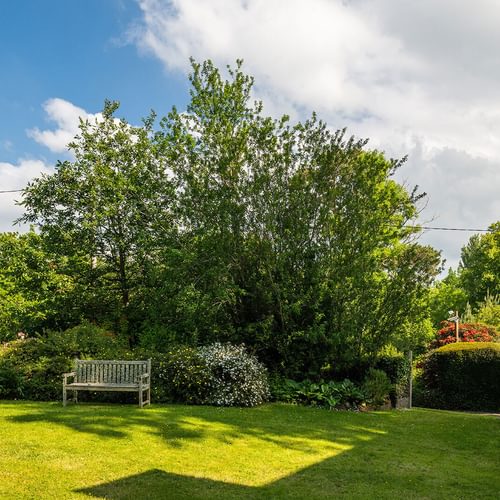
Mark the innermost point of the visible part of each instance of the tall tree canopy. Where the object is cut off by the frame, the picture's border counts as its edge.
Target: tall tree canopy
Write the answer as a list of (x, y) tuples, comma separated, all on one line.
[(107, 205), (227, 224), (37, 289), (480, 265)]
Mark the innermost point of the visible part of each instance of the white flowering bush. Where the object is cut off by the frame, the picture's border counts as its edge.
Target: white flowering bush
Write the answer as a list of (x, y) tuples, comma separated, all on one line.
[(237, 378)]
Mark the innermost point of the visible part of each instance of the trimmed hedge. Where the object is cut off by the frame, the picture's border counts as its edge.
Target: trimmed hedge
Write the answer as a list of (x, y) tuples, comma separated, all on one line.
[(462, 376)]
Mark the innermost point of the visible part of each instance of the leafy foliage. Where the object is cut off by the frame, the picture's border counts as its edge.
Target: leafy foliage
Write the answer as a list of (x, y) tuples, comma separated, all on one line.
[(397, 368), (33, 368), (466, 333), (236, 377), (105, 207), (180, 376), (217, 374), (462, 376), (377, 386), (480, 265), (448, 294), (489, 311), (331, 395), (36, 286), (224, 225)]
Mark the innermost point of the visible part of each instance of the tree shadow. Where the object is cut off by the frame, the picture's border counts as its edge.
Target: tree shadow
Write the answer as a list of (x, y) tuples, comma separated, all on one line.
[(156, 484), (176, 425), (357, 473), (374, 455)]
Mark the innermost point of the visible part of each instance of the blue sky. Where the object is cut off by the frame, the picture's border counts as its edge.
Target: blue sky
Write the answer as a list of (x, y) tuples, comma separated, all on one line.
[(417, 78), (75, 50)]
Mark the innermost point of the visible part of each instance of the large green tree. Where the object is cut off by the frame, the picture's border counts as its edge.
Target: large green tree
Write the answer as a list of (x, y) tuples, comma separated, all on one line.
[(37, 288), (295, 238), (480, 265), (225, 224), (108, 205)]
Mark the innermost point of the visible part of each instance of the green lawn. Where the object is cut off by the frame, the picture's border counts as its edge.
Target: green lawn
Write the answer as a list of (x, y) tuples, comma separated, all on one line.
[(274, 451)]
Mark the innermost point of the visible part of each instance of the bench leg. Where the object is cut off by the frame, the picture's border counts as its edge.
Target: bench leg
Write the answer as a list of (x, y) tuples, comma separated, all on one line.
[(76, 396), (149, 394), (64, 395)]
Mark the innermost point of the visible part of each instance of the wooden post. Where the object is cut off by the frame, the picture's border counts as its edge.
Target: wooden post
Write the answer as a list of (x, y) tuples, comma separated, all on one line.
[(456, 326), (410, 356)]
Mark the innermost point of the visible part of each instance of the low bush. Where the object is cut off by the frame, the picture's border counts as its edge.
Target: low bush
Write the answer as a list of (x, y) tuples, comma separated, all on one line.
[(338, 395), (33, 368), (180, 376), (397, 367), (236, 377), (10, 381), (467, 332), (377, 387), (217, 374), (462, 376)]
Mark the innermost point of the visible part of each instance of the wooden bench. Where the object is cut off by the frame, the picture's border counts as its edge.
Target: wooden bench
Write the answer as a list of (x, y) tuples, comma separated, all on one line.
[(102, 375)]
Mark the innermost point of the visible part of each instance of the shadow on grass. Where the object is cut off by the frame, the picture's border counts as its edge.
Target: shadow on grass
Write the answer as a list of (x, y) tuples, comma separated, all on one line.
[(157, 484), (318, 481), (281, 425), (377, 455)]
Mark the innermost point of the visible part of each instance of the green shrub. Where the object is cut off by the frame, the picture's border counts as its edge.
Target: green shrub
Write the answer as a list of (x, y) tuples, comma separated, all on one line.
[(397, 368), (217, 374), (180, 376), (377, 387), (462, 376), (10, 381), (39, 362), (236, 377), (468, 332), (339, 395)]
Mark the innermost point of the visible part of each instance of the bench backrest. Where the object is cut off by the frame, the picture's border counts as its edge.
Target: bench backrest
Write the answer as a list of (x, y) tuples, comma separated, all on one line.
[(110, 372)]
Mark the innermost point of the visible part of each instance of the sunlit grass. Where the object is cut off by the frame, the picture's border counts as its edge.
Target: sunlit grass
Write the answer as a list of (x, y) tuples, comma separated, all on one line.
[(274, 451)]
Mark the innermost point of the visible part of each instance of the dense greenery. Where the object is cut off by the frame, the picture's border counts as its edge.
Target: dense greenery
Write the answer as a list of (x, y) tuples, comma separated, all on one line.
[(474, 289), (220, 375), (38, 288), (33, 368), (480, 265), (222, 224), (331, 395), (462, 376), (271, 451), (216, 374)]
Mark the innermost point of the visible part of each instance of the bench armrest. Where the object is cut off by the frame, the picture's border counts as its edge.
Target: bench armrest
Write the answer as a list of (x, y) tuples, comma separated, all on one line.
[(142, 377), (68, 375)]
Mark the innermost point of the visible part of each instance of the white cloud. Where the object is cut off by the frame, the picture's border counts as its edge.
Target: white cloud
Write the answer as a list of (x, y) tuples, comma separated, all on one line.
[(13, 177), (415, 77), (67, 117), (462, 193)]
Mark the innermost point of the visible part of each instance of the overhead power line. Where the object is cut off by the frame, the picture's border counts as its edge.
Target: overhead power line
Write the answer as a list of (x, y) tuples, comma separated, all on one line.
[(453, 229), (427, 228)]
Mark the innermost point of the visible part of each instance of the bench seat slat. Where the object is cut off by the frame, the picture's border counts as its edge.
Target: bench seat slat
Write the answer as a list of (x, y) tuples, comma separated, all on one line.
[(105, 387)]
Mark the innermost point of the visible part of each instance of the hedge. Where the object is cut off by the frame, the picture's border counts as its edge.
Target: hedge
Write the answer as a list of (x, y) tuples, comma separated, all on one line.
[(462, 376)]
